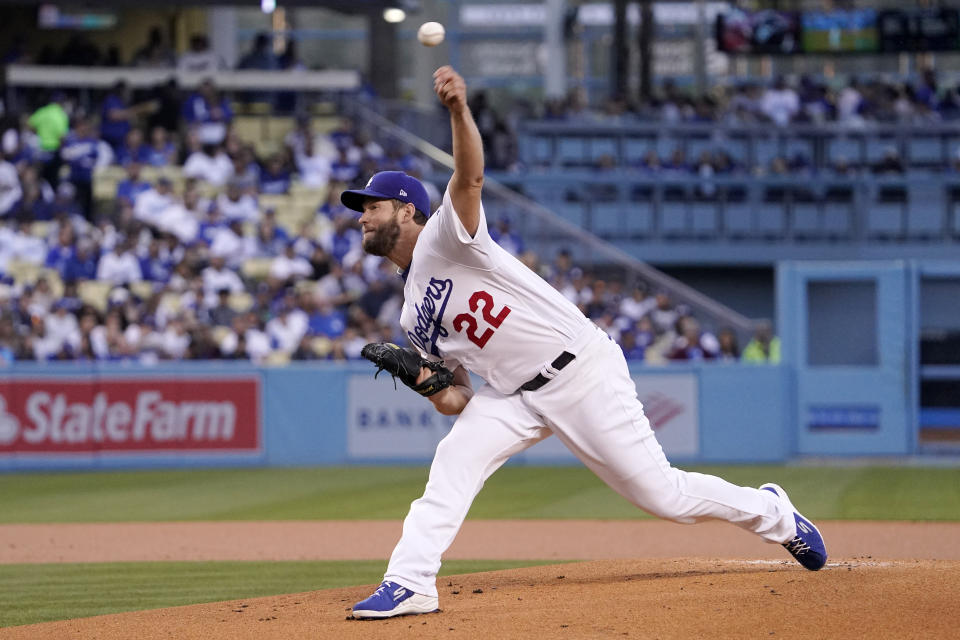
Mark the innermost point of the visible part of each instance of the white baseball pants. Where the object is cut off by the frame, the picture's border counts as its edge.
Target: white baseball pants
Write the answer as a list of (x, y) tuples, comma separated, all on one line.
[(592, 407)]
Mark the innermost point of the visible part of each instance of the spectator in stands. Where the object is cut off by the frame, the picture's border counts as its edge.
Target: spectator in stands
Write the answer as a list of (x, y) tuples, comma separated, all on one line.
[(132, 148), (632, 350), (155, 53), (222, 314), (232, 242), (780, 103), (260, 56), (729, 350), (314, 166), (637, 304), (10, 190), (208, 112), (275, 178), (218, 276), (271, 239), (117, 115), (60, 255), (151, 206), (288, 327), (764, 347), (167, 98), (157, 264), (51, 124), (83, 264), (120, 266), (200, 58), (890, 163), (237, 205), (850, 104), (25, 246), (161, 152), (81, 150), (210, 164), (507, 238), (288, 267), (663, 316), (327, 320), (343, 239), (692, 343), (132, 186)]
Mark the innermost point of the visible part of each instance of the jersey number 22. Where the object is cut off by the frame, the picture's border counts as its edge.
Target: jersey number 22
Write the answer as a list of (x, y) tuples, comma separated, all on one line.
[(468, 322)]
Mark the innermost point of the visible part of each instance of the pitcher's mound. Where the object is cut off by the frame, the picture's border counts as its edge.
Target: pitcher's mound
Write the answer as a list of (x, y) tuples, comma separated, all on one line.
[(674, 598)]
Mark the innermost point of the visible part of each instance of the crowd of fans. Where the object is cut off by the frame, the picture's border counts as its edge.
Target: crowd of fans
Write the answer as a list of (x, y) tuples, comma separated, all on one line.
[(171, 251)]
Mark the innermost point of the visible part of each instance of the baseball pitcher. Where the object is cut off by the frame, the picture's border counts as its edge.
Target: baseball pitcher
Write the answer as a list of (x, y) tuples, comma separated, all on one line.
[(471, 306)]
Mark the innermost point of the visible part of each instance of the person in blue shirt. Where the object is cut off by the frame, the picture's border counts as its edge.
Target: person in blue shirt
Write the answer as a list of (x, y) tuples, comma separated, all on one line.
[(327, 320), (271, 238), (129, 188), (156, 266), (274, 177), (60, 254), (342, 169), (133, 148), (81, 151), (83, 264), (209, 112), (214, 222), (504, 236), (161, 152), (115, 115)]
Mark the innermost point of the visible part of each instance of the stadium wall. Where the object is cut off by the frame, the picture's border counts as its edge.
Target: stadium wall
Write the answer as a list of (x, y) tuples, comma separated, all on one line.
[(212, 414)]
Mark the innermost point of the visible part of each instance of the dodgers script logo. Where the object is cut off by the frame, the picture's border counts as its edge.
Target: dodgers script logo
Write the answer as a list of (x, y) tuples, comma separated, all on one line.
[(428, 327)]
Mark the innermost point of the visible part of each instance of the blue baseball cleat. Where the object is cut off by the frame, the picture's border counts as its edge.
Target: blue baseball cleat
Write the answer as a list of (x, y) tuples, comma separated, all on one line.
[(391, 599), (807, 547)]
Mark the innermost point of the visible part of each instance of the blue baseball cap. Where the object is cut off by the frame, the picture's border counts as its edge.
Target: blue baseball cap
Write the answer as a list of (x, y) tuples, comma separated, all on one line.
[(389, 185)]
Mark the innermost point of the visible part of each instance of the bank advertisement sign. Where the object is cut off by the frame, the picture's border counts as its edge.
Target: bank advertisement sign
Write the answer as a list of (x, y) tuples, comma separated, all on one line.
[(130, 415), (384, 424)]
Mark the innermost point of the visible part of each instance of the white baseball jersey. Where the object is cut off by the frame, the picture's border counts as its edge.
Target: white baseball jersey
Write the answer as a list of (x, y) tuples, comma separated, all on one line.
[(473, 304), (469, 302)]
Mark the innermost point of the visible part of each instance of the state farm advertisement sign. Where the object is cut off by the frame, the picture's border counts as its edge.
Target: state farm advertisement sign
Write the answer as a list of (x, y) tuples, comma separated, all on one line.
[(129, 415)]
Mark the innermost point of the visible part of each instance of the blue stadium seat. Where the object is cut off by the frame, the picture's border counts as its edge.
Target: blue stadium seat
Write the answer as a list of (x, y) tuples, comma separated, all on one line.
[(571, 211), (925, 151), (697, 145), (771, 219), (884, 219), (806, 219), (765, 150), (634, 149), (926, 208), (838, 219), (638, 219), (606, 146), (535, 150), (673, 218), (738, 219), (955, 219), (799, 146), (705, 219), (606, 219), (844, 148), (877, 147), (571, 151)]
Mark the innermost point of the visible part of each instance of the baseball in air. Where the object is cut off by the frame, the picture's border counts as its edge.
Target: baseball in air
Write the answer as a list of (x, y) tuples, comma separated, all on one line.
[(430, 34)]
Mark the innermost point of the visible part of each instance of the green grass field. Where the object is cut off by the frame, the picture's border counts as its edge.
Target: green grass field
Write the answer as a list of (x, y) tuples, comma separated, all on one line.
[(35, 593), (374, 493)]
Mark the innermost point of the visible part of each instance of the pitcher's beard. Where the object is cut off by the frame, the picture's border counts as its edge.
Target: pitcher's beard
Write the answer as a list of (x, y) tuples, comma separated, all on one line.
[(383, 240)]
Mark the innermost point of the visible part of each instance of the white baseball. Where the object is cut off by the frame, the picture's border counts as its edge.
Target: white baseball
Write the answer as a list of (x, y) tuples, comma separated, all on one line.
[(430, 34)]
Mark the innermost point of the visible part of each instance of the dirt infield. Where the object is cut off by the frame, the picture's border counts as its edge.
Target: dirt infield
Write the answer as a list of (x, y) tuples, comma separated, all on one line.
[(643, 579)]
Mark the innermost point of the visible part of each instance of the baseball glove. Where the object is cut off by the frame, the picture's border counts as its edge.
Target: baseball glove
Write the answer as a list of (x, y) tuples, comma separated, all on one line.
[(405, 363)]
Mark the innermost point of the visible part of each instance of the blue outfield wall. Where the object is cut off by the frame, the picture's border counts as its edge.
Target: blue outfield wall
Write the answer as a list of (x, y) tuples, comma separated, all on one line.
[(335, 414)]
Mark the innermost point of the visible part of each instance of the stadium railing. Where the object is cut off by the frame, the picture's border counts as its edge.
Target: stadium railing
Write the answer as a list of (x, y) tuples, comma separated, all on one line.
[(566, 144)]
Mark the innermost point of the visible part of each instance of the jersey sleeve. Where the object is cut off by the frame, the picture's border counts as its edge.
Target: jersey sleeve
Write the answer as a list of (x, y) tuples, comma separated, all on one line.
[(451, 240)]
